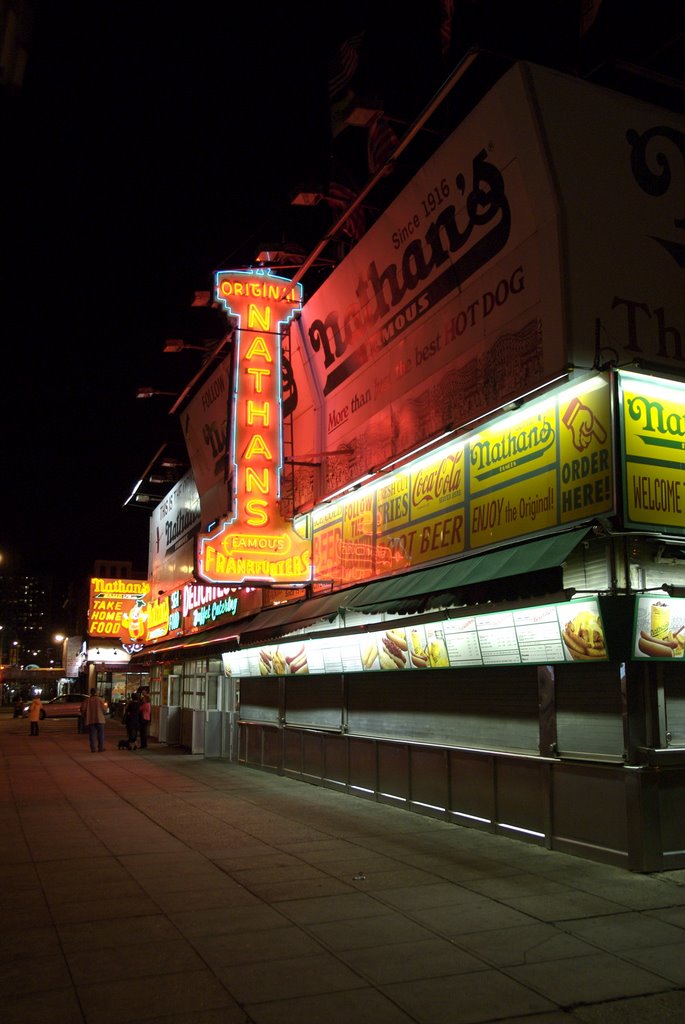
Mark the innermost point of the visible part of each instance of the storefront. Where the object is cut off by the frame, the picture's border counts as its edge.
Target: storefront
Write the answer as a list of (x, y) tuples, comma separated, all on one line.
[(529, 694), (482, 615), (533, 689)]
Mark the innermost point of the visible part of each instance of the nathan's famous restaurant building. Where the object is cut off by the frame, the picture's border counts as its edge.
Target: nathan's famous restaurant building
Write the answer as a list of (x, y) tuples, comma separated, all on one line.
[(469, 599)]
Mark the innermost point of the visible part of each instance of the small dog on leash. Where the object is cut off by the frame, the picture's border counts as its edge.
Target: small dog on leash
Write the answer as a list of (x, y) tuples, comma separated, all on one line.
[(126, 745)]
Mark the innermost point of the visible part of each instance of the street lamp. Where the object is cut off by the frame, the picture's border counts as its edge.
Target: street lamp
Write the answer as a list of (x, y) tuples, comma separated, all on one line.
[(61, 639)]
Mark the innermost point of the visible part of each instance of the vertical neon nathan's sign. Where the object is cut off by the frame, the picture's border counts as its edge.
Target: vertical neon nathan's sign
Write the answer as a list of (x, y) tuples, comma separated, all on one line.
[(256, 544)]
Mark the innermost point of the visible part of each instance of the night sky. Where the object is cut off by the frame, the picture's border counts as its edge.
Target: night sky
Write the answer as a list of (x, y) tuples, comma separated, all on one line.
[(151, 145), (145, 152)]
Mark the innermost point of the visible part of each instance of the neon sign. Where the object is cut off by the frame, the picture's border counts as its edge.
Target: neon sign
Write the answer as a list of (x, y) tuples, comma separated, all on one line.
[(255, 543), (118, 610), (188, 609)]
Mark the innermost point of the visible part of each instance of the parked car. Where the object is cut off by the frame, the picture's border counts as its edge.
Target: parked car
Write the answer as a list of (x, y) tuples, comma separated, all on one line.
[(66, 706)]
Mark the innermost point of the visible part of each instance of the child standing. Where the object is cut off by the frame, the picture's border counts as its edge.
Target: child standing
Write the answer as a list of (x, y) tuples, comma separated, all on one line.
[(35, 709)]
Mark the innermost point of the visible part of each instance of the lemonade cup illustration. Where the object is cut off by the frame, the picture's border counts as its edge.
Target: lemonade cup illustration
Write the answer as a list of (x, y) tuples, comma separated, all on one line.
[(660, 620), (437, 651)]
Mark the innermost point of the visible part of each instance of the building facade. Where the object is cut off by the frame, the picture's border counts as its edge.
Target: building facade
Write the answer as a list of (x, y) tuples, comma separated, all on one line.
[(482, 440)]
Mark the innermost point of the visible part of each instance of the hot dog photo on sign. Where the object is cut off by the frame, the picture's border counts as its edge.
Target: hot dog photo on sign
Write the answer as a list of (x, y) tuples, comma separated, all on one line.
[(399, 648), (369, 653), (291, 660), (296, 660), (392, 649), (388, 651), (659, 627)]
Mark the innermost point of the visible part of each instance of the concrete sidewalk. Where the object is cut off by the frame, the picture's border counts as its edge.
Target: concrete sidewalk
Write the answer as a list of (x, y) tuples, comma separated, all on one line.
[(160, 887)]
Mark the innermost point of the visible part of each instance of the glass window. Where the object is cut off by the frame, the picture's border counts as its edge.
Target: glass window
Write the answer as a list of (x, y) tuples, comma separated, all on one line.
[(194, 685), (174, 690), (212, 696)]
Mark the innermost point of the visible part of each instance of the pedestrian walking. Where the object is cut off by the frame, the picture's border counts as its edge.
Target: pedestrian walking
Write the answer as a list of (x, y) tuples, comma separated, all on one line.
[(35, 709), (131, 720), (144, 716), (94, 718)]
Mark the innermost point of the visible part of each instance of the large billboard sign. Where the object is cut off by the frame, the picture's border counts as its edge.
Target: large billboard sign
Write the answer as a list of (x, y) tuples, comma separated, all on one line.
[(174, 525), (618, 164), (546, 232), (449, 306), (204, 422), (255, 544), (652, 414), (549, 464)]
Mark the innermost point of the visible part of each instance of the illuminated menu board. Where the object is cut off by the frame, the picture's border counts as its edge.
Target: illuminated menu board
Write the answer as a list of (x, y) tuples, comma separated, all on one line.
[(659, 630), (546, 465), (553, 633)]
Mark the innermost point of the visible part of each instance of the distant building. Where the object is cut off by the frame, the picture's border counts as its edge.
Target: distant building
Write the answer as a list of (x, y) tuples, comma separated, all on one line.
[(27, 617)]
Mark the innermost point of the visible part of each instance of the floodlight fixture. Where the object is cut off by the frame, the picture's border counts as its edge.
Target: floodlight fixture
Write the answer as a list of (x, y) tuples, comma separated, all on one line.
[(179, 345), (309, 194), (146, 392), (362, 111)]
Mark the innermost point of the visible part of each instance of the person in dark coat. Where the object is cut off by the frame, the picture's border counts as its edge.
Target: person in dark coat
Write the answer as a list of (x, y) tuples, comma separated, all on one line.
[(131, 719), (144, 716)]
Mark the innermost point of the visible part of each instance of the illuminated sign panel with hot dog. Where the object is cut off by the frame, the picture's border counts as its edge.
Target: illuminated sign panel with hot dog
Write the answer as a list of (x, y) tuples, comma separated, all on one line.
[(653, 440), (547, 465), (659, 627), (256, 544)]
